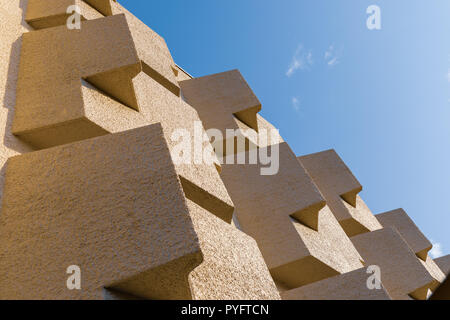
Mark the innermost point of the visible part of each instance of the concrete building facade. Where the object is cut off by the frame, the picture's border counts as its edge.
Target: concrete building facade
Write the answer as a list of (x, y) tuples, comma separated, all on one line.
[(95, 178)]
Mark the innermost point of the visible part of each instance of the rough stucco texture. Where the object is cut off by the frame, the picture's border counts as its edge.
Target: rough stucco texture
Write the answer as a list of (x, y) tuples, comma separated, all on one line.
[(220, 96), (348, 286), (53, 62), (90, 121), (408, 230), (301, 243), (340, 189), (51, 13), (402, 273), (233, 267), (112, 205), (11, 28), (444, 264)]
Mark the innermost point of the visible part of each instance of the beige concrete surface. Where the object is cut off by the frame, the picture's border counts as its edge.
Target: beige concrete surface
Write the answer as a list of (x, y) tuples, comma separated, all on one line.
[(103, 6), (202, 179), (224, 102), (157, 61), (141, 204), (12, 26), (434, 270), (52, 65), (300, 239), (444, 264), (340, 189), (402, 273), (220, 96), (347, 286), (152, 49), (408, 230), (107, 191), (233, 267), (131, 230), (43, 14)]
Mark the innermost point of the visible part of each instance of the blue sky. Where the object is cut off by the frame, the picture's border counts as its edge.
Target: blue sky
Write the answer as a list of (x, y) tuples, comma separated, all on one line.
[(380, 98)]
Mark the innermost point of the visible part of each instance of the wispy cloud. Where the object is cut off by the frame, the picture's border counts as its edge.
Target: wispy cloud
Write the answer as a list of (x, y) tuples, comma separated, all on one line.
[(448, 75), (332, 56), (436, 251), (301, 60), (296, 104)]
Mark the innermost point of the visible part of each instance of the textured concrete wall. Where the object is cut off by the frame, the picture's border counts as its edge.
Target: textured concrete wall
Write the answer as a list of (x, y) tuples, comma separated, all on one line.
[(129, 230), (444, 264), (408, 229), (340, 188), (299, 238), (348, 286), (115, 219), (402, 274), (88, 120), (12, 26), (224, 101)]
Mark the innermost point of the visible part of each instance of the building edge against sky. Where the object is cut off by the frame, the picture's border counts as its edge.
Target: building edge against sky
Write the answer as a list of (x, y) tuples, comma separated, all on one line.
[(89, 180)]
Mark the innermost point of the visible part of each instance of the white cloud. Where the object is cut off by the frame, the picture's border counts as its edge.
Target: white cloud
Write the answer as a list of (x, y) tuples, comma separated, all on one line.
[(436, 251), (448, 75), (296, 104), (332, 56), (301, 60)]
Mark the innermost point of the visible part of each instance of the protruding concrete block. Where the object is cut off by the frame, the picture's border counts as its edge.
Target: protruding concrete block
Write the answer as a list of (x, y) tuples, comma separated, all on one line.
[(12, 26), (103, 6), (112, 205), (220, 96), (43, 14), (300, 239), (200, 179), (444, 264), (50, 106), (400, 220), (347, 286), (434, 270), (224, 102), (157, 61), (402, 273), (233, 267), (55, 112), (340, 189), (181, 74)]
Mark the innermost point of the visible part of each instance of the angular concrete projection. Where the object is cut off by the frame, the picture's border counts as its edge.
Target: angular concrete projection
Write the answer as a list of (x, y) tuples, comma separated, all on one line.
[(223, 101), (157, 61), (112, 205), (281, 212), (434, 270), (200, 179), (50, 107), (132, 193), (415, 239), (43, 14), (233, 267), (444, 264), (12, 26), (182, 74), (340, 189), (402, 274), (103, 6), (255, 139), (348, 286)]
